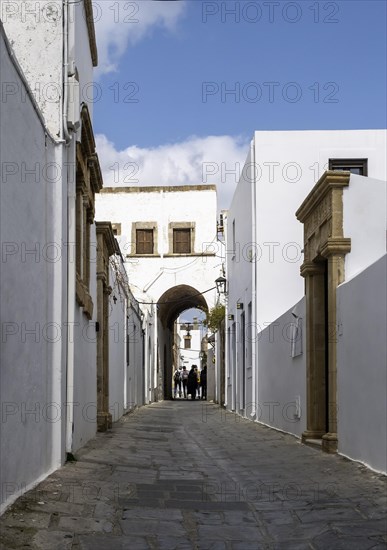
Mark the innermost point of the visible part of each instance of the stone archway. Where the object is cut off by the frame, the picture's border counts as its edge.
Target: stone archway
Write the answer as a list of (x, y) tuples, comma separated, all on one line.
[(325, 248), (170, 305)]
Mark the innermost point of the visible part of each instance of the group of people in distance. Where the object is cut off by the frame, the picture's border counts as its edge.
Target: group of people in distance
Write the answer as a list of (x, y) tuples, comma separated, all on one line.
[(193, 383)]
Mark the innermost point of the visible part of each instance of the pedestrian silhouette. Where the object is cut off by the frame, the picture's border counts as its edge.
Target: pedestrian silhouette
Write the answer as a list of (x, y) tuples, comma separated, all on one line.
[(192, 381)]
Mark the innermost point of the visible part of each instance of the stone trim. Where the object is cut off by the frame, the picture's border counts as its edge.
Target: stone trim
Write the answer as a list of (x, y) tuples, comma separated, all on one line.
[(329, 180), (91, 31), (88, 182), (336, 246), (325, 247), (83, 298), (118, 228), (181, 225), (106, 247), (144, 225)]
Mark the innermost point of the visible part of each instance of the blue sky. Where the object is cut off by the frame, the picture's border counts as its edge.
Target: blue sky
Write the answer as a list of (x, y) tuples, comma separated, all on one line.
[(167, 71)]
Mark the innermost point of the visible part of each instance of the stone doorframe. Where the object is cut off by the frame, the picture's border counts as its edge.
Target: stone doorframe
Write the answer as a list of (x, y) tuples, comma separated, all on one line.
[(106, 247), (325, 248)]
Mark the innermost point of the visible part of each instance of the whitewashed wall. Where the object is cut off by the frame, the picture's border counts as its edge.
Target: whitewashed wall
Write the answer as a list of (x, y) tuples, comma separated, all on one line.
[(85, 361), (361, 367), (35, 29), (32, 297), (136, 369), (365, 222), (126, 368), (90, 92), (288, 164), (281, 377), (150, 277), (240, 251), (191, 356), (117, 347)]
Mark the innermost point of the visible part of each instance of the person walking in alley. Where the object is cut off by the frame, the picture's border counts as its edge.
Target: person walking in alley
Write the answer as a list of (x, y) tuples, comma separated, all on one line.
[(192, 381), (203, 382), (176, 383), (198, 386), (184, 379)]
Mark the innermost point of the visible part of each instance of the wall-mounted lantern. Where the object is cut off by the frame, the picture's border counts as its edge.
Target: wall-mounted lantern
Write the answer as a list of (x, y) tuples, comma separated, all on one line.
[(221, 283)]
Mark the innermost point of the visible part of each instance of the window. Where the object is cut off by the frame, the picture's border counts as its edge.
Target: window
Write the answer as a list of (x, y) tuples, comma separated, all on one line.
[(144, 238), (181, 237), (182, 241), (116, 229), (144, 241), (187, 342), (355, 166)]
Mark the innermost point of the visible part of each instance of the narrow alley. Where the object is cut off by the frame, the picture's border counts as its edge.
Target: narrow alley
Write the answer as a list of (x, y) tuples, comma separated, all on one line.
[(189, 475)]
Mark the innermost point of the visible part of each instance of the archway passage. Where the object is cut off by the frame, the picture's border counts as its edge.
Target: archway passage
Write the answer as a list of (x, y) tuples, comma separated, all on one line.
[(170, 305)]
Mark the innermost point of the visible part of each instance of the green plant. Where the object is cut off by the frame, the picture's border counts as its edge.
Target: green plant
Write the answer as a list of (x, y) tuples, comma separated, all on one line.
[(215, 316)]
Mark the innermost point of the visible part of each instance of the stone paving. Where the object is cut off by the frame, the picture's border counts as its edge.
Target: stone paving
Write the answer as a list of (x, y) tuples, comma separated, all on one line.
[(187, 475)]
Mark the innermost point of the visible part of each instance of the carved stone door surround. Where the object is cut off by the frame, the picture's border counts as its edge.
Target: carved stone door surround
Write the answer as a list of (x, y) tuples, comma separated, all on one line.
[(106, 247), (325, 247)]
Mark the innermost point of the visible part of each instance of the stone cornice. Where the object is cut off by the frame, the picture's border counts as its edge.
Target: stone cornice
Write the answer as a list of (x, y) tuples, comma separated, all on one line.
[(96, 180), (331, 179), (106, 231), (312, 268), (91, 31), (336, 245), (87, 138)]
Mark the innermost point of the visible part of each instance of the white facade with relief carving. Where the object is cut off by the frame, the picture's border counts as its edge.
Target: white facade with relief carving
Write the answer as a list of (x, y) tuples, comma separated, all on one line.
[(265, 379)]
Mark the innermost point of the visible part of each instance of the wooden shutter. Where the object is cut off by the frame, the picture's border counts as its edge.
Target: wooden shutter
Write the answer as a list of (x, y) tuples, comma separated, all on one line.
[(182, 241), (144, 241)]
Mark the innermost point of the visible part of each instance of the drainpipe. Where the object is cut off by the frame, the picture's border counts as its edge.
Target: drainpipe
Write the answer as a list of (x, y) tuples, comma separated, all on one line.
[(71, 267), (226, 333), (65, 69), (155, 353), (254, 343)]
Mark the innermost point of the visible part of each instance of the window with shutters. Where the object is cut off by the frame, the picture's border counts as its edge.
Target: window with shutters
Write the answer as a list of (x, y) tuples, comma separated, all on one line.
[(144, 241), (181, 237), (187, 342), (182, 241)]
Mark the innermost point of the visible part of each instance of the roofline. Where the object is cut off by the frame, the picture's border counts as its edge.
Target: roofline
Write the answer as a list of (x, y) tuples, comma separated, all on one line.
[(158, 188), (91, 31)]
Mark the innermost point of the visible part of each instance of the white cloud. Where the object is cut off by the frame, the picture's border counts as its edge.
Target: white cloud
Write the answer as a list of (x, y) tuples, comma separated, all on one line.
[(122, 23), (198, 160)]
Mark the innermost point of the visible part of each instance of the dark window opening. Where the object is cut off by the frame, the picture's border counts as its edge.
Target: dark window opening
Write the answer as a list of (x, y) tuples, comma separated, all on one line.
[(355, 166)]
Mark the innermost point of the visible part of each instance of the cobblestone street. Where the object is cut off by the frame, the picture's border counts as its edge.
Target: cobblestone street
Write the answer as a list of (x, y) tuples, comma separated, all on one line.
[(186, 475)]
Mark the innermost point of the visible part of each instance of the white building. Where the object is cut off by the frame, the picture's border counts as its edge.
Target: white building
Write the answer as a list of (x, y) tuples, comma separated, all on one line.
[(168, 235), (190, 336), (266, 311), (56, 386)]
